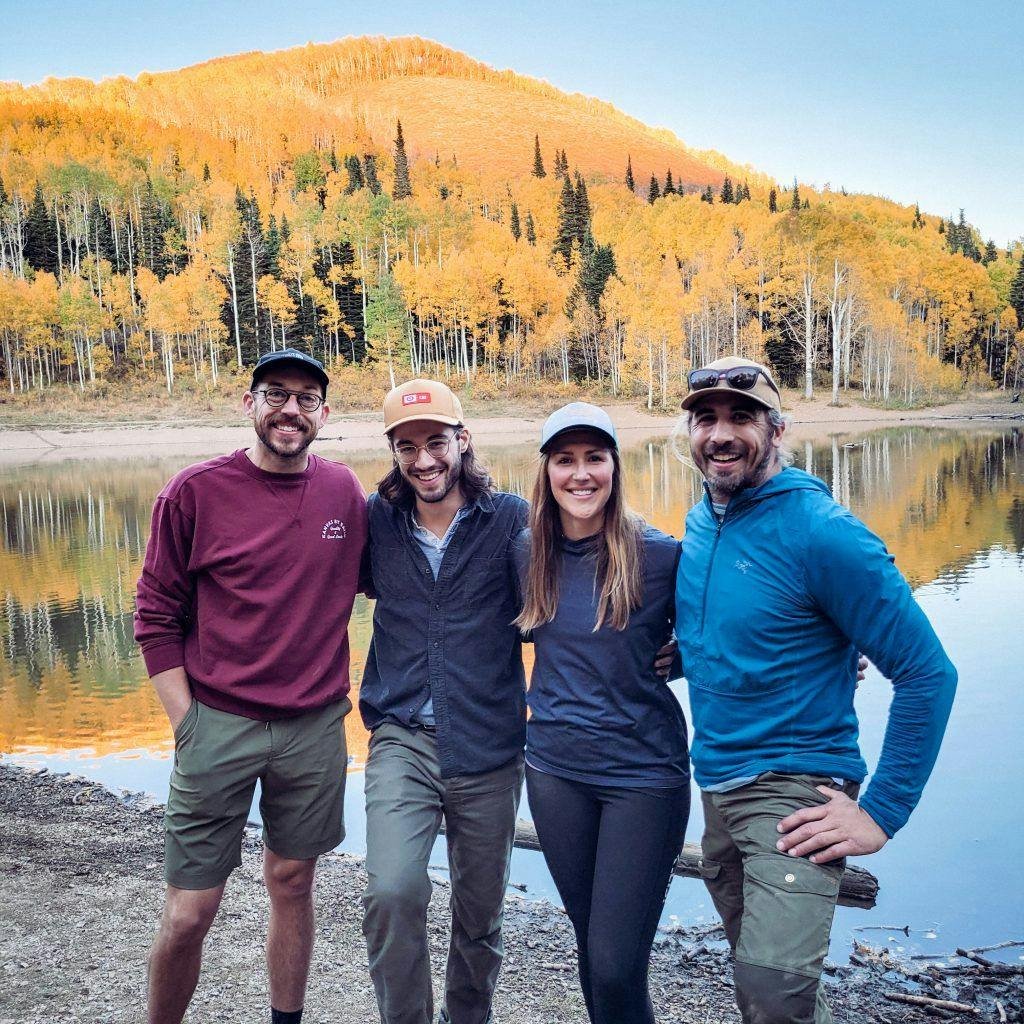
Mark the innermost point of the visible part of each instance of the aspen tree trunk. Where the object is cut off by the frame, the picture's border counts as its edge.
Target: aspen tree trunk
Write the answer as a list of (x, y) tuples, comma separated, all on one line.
[(234, 304)]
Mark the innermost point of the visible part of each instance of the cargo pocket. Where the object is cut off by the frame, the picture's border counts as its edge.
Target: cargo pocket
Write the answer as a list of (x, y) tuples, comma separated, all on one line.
[(788, 904)]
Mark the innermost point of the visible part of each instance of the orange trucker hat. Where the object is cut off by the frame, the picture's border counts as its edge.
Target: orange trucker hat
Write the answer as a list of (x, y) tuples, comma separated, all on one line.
[(421, 399)]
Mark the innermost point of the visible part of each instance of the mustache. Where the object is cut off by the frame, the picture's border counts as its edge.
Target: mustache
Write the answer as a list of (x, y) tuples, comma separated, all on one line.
[(284, 421), (723, 449)]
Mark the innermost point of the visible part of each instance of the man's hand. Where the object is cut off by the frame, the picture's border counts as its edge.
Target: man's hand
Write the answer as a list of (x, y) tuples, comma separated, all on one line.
[(839, 828), (664, 658), (862, 668), (173, 690)]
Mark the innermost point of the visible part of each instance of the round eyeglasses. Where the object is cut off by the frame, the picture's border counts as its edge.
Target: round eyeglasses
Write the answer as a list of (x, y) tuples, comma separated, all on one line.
[(437, 448), (277, 398)]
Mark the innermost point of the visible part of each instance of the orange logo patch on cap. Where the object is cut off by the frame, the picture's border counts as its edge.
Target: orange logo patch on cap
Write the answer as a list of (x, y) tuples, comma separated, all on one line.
[(416, 398)]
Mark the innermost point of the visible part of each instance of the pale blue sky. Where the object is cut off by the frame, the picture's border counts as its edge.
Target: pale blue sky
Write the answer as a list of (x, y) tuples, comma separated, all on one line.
[(913, 99)]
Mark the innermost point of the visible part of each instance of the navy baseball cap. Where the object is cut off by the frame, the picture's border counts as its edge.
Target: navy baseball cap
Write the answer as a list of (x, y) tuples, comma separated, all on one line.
[(577, 416), (301, 360)]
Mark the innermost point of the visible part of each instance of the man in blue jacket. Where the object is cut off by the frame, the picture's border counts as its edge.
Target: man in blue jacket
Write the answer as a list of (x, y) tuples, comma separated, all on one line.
[(779, 586), (444, 696)]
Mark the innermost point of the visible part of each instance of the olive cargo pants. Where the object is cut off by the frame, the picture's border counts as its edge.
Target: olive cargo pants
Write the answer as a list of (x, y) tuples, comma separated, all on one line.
[(777, 910), (405, 801)]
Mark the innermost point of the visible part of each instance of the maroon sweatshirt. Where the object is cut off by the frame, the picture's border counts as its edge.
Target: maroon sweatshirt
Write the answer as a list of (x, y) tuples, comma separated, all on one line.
[(249, 581)]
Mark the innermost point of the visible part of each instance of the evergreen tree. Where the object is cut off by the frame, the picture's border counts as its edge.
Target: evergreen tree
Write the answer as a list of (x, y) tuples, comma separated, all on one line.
[(707, 196), (567, 222), (582, 214), (806, 204), (990, 255), (652, 192), (272, 244), (206, 172), (403, 187), (538, 162), (746, 191), (514, 227), (332, 160), (942, 226), (370, 174), (597, 267), (1017, 293), (726, 195), (101, 241), (40, 235), (670, 189), (738, 198), (630, 183), (153, 249), (918, 221), (4, 198), (355, 175), (531, 231), (773, 201), (796, 196)]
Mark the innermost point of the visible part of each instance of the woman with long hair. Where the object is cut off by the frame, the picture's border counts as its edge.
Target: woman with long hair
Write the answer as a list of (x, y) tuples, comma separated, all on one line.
[(607, 761)]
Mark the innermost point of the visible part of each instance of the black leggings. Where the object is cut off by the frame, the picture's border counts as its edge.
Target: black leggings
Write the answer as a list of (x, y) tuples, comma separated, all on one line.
[(610, 851)]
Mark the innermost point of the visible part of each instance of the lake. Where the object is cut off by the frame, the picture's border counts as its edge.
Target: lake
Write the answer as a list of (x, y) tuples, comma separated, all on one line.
[(949, 503)]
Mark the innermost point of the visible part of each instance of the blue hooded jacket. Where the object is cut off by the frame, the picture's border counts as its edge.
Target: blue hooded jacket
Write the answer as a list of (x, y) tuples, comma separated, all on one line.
[(772, 605)]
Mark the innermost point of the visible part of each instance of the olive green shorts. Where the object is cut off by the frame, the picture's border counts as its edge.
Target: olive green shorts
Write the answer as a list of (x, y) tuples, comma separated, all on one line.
[(300, 763)]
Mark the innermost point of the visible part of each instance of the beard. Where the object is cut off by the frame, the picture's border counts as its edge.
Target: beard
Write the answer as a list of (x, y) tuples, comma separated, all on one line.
[(728, 486), (449, 478), (292, 451)]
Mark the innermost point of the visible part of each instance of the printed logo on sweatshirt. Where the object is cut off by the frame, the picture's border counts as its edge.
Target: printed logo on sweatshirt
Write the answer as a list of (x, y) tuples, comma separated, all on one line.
[(416, 398), (334, 529), (743, 566)]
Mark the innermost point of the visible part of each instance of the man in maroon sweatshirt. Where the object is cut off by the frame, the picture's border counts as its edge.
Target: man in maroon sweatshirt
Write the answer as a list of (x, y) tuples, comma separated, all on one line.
[(242, 614)]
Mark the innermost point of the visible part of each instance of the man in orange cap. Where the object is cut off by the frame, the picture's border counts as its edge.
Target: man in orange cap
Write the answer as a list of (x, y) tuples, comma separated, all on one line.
[(444, 697)]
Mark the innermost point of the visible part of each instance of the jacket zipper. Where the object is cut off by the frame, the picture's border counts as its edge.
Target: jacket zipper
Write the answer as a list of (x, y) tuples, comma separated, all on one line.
[(707, 579)]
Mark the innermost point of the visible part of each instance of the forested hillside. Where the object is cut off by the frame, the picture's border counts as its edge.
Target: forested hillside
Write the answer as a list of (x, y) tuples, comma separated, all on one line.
[(394, 205)]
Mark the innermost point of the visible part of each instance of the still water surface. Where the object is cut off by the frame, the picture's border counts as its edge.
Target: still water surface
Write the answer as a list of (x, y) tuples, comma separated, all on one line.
[(949, 504)]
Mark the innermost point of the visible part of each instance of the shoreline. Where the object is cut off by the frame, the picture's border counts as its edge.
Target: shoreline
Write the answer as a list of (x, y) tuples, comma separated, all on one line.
[(361, 432), (81, 885)]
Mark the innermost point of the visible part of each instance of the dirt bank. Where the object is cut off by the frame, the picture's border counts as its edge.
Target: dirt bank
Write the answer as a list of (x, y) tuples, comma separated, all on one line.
[(357, 432), (80, 888)]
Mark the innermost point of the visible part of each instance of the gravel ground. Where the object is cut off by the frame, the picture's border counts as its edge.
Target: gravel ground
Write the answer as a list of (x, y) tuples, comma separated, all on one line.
[(80, 894)]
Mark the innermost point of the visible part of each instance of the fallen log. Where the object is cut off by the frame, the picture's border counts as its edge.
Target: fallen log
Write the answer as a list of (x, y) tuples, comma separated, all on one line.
[(859, 888)]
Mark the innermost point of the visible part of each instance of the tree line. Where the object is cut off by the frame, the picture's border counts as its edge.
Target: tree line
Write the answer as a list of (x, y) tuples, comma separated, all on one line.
[(116, 268)]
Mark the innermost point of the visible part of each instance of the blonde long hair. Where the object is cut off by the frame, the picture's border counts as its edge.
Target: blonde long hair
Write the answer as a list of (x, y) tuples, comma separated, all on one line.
[(619, 571)]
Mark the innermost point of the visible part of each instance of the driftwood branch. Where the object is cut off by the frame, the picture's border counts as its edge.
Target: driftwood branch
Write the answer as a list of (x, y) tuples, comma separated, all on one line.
[(935, 1004), (859, 888)]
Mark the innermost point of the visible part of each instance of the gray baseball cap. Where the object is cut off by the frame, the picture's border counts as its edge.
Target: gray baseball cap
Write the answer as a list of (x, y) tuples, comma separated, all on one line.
[(577, 416)]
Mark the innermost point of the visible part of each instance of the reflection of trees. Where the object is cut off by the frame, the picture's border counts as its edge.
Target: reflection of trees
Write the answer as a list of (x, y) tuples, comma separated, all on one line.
[(72, 539)]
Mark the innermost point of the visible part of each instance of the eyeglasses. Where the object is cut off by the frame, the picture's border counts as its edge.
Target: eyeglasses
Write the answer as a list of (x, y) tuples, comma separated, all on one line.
[(742, 378), (437, 448), (277, 398)]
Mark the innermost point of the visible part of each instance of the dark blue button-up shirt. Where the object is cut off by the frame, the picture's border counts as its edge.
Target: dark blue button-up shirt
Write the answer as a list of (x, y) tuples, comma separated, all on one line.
[(452, 633)]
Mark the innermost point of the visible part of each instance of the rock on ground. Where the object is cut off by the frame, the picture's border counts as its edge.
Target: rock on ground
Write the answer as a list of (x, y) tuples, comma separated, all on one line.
[(80, 894)]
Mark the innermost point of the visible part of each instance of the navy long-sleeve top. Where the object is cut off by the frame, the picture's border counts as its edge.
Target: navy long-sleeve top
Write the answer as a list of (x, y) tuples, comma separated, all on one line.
[(598, 712)]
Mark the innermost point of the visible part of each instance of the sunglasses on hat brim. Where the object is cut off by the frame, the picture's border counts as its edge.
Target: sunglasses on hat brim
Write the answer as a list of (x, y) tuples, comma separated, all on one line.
[(741, 378)]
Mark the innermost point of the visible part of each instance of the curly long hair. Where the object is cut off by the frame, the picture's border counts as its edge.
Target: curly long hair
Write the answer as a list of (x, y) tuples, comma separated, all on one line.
[(619, 569), (474, 480)]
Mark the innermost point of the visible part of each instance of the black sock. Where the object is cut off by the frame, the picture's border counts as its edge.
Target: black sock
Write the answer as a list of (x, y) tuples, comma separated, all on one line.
[(285, 1016)]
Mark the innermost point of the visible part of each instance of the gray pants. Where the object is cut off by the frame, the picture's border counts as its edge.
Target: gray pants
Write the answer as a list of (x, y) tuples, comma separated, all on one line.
[(405, 800)]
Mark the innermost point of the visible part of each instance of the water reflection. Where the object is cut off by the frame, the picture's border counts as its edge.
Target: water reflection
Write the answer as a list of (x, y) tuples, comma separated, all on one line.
[(74, 536)]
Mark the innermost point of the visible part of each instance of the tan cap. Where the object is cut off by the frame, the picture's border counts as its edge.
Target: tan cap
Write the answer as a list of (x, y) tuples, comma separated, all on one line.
[(764, 391), (421, 400)]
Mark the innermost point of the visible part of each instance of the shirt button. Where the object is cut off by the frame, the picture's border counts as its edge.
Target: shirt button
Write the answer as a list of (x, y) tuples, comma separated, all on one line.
[(790, 878), (435, 643), (437, 607)]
